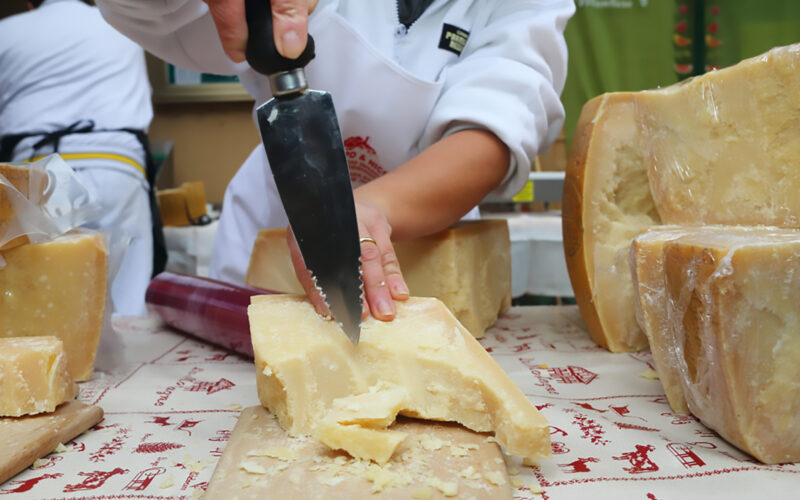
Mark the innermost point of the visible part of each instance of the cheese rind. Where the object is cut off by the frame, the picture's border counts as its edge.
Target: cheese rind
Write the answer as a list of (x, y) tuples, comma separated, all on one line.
[(607, 203), (57, 288), (647, 271), (468, 267), (304, 362), (732, 311), (33, 376)]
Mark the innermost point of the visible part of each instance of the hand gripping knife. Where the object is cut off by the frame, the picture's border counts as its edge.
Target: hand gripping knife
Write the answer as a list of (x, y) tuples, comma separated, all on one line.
[(301, 136)]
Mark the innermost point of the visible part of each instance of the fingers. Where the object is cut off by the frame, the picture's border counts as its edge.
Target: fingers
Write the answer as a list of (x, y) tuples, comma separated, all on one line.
[(229, 18), (290, 26), (304, 276), (381, 276)]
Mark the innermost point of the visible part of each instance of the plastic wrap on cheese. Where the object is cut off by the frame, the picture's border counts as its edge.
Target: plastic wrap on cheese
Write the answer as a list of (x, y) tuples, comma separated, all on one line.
[(734, 324), (647, 271), (41, 200), (722, 148)]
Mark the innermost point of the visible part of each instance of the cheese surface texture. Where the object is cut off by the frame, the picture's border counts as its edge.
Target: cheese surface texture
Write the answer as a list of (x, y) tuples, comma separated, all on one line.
[(647, 270), (722, 148), (304, 363), (733, 312), (468, 267), (607, 203), (33, 376), (57, 288)]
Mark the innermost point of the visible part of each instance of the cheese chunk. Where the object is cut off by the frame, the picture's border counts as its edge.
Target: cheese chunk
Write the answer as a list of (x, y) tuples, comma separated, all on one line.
[(33, 376), (57, 288), (377, 407), (647, 270), (607, 203), (722, 147), (304, 363), (468, 267), (733, 312), (183, 205), (366, 443)]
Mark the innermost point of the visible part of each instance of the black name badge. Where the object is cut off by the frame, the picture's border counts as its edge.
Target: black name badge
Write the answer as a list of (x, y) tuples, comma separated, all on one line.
[(453, 38)]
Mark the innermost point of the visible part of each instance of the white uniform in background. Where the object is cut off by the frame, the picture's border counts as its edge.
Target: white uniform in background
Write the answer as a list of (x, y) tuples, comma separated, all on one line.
[(395, 90), (61, 63)]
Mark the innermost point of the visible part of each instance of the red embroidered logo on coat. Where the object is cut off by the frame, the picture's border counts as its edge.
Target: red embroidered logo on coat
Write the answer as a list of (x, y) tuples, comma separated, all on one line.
[(362, 159)]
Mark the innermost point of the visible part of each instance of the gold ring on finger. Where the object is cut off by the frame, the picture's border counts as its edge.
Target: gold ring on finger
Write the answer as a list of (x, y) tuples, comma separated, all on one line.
[(367, 239)]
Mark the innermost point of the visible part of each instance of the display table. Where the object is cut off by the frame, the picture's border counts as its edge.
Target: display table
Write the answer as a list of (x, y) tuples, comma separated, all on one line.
[(172, 402)]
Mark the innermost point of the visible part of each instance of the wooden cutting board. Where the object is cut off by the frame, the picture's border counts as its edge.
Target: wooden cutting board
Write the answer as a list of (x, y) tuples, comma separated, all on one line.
[(24, 439), (262, 461)]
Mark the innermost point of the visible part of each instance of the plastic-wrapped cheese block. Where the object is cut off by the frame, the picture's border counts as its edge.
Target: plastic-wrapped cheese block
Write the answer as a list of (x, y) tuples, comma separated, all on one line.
[(647, 271), (723, 148), (733, 312), (33, 376), (468, 267), (57, 288), (16, 181), (305, 362), (606, 204)]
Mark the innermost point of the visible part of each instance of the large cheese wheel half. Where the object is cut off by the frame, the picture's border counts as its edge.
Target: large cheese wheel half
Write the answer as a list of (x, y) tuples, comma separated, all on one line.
[(607, 203)]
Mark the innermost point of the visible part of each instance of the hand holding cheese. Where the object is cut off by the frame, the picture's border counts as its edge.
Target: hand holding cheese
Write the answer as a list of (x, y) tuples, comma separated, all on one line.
[(304, 364)]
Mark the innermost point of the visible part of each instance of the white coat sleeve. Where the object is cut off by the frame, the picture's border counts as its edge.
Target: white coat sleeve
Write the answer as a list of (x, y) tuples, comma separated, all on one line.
[(508, 80), (180, 32)]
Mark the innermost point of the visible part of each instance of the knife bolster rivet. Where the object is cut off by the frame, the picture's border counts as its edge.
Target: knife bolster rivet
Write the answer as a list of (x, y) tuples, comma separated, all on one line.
[(288, 82)]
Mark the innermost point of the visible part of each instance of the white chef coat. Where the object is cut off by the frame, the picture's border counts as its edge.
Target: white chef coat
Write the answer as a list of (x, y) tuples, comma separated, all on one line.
[(61, 63), (395, 90)]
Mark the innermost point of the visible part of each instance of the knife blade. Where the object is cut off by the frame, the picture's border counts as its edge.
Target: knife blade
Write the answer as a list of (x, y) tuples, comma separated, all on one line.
[(301, 136)]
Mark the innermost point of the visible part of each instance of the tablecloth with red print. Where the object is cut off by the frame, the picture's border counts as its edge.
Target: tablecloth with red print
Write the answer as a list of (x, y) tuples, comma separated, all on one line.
[(171, 401)]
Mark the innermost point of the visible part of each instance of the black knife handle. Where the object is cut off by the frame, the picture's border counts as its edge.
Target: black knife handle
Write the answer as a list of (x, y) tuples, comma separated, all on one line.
[(261, 53)]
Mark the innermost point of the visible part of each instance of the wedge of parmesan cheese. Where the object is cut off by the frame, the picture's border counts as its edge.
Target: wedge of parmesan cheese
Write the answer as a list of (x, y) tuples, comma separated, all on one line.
[(304, 363)]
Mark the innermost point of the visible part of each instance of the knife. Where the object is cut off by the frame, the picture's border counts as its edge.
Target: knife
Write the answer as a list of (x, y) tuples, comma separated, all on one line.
[(301, 136)]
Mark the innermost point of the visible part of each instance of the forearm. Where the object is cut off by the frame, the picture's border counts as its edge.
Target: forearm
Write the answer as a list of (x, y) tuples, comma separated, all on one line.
[(440, 185)]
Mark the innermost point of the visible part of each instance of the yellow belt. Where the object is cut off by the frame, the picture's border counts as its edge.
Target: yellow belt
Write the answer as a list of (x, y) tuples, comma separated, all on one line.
[(98, 156)]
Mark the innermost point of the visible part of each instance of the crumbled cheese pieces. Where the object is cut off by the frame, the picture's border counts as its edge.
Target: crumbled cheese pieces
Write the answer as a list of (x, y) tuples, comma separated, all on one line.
[(468, 267), (361, 442), (33, 376), (730, 333), (311, 470), (57, 288), (313, 363)]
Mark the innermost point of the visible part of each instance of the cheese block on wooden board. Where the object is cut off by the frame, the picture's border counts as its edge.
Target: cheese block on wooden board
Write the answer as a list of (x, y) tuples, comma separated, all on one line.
[(24, 439), (733, 298), (722, 148), (57, 288), (467, 266), (305, 362), (33, 375), (436, 461), (607, 203)]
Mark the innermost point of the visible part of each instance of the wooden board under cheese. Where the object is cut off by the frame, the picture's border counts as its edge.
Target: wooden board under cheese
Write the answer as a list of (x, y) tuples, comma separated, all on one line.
[(436, 461), (24, 439)]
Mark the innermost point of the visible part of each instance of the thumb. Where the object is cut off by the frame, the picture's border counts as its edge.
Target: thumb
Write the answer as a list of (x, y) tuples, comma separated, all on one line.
[(290, 25)]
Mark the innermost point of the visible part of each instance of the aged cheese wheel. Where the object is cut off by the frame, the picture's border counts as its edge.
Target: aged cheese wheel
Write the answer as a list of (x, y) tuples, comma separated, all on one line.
[(606, 204)]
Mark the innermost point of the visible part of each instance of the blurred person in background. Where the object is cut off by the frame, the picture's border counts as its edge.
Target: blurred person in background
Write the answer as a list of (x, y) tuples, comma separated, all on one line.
[(73, 85)]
